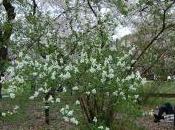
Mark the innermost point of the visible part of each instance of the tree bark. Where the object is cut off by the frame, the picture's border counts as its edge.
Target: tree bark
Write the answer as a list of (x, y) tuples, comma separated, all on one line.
[(5, 37), (0, 91)]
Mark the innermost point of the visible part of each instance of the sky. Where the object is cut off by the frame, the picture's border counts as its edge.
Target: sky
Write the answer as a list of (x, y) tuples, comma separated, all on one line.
[(1, 1), (120, 30)]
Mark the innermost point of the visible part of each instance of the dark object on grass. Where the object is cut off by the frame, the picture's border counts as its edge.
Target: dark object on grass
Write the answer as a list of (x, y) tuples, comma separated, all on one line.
[(167, 108)]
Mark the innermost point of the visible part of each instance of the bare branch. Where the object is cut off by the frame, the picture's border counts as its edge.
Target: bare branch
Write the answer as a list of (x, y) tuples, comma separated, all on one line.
[(34, 7), (90, 6), (153, 64), (5, 37), (156, 36), (9, 9)]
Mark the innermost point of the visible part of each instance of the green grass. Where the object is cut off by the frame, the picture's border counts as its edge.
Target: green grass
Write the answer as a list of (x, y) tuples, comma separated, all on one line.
[(31, 112), (159, 87)]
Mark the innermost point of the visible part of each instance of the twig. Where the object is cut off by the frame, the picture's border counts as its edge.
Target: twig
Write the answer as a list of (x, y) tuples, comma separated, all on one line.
[(95, 14), (158, 34), (34, 7)]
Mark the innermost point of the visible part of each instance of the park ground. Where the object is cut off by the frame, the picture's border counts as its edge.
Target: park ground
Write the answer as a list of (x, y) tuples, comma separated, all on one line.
[(31, 117)]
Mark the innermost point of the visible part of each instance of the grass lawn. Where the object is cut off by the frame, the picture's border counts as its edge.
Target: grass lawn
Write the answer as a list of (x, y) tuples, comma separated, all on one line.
[(31, 117), (159, 87)]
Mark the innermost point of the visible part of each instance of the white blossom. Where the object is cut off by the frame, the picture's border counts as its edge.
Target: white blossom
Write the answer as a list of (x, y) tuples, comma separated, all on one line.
[(16, 107), (61, 60), (101, 127), (12, 95), (107, 93), (92, 70), (104, 11), (34, 74), (136, 96), (74, 121), (50, 99), (168, 77), (94, 91), (104, 74), (40, 90), (46, 107), (57, 100), (122, 93), (103, 80), (64, 89), (65, 76), (107, 128), (36, 94), (111, 76), (11, 113), (62, 110), (70, 113), (67, 106), (143, 81), (132, 88), (88, 92), (151, 113), (3, 114), (77, 102), (93, 61), (115, 93), (31, 97), (53, 75), (20, 54), (75, 88), (69, 67), (95, 119), (66, 119)]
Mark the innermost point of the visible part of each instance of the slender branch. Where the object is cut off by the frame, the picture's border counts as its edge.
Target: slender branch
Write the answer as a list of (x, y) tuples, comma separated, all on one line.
[(152, 65), (34, 7), (156, 37), (90, 6), (99, 22), (85, 109), (9, 9)]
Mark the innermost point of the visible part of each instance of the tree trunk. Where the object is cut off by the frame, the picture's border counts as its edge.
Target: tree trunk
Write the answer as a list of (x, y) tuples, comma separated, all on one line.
[(4, 39), (0, 91), (46, 111)]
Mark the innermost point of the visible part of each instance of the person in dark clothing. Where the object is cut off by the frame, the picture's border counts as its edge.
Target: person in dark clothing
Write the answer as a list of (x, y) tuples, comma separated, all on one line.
[(167, 108)]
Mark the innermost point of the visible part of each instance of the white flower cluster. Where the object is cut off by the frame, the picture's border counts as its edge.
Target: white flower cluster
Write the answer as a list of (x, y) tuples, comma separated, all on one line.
[(68, 115), (4, 114), (2, 80), (39, 91), (105, 70), (34, 96), (12, 95), (148, 113), (65, 76), (95, 119), (103, 128)]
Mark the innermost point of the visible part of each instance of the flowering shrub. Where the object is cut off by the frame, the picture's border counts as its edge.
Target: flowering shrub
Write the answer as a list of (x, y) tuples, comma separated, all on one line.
[(97, 78), (86, 66)]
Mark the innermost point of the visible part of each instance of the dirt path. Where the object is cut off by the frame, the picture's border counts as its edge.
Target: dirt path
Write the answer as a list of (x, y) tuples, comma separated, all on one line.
[(149, 124)]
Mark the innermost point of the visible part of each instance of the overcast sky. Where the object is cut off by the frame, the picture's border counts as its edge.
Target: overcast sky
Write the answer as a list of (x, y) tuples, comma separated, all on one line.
[(120, 30)]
